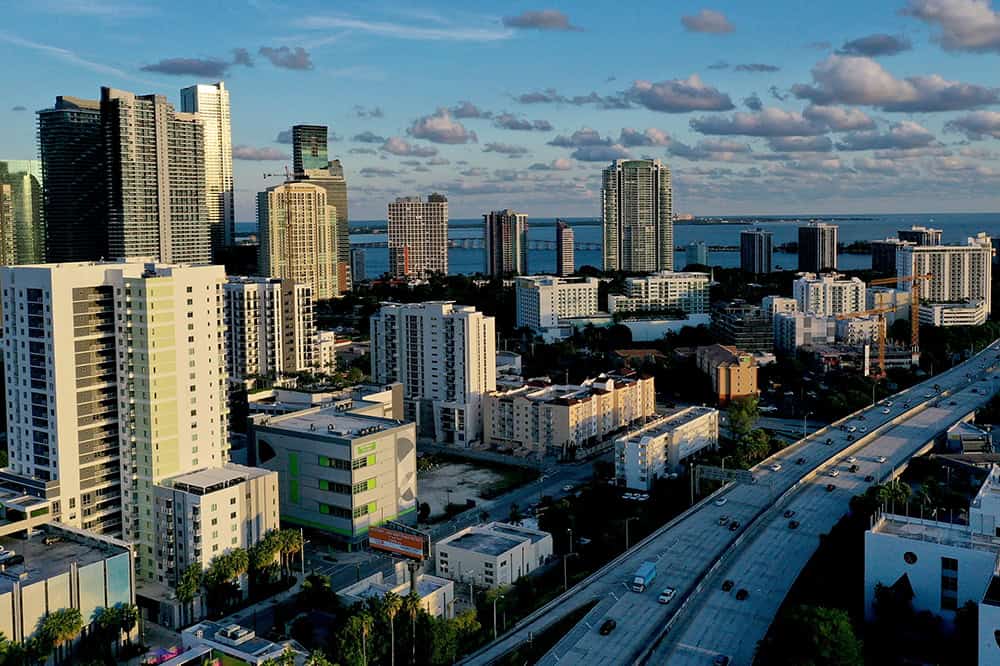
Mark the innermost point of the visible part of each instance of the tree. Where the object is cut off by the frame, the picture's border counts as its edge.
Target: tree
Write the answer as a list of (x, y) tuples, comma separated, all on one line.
[(316, 591), (128, 619), (423, 512), (742, 414), (391, 604), (516, 517), (411, 606), (812, 636), (188, 588), (318, 659), (60, 627), (11, 653)]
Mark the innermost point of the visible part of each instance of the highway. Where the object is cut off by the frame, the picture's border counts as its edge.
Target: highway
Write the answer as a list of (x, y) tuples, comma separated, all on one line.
[(687, 548)]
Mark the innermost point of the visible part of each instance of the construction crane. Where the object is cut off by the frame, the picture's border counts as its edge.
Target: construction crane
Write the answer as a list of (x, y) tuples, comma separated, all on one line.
[(914, 302), (881, 332)]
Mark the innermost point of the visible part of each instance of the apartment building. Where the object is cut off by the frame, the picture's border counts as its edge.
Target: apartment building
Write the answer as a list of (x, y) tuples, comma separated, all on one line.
[(756, 249), (920, 235), (733, 372), (665, 291), (637, 216), (506, 236), (418, 236), (818, 247), (565, 249), (959, 274), (829, 294), (655, 449), (543, 301), (884, 254), (772, 305)]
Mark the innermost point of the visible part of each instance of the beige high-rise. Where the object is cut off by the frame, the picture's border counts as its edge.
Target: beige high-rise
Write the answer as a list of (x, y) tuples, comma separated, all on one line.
[(418, 236), (298, 236), (637, 214)]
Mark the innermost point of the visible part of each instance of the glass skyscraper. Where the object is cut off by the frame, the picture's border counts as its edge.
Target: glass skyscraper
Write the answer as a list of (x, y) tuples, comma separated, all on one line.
[(22, 230)]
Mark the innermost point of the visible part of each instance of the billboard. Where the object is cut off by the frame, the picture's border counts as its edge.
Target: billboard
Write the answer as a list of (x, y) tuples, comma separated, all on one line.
[(398, 542)]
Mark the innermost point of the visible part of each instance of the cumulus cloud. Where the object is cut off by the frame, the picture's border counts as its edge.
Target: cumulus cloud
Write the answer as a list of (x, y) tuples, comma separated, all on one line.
[(863, 81), (600, 153), (466, 109), (18, 108), (901, 136), (258, 154), (976, 125), (546, 19), (709, 149), (768, 122), (287, 58), (678, 96), (839, 118), (242, 57), (649, 137), (800, 144), (365, 112), (203, 67), (399, 146), (879, 44), (963, 25), (753, 102), (582, 137), (440, 127), (756, 67), (708, 21), (777, 94), (368, 137), (552, 96), (561, 164), (505, 149), (509, 121)]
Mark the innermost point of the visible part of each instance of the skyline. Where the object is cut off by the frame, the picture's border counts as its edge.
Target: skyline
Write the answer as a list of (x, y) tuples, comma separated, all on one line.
[(889, 110)]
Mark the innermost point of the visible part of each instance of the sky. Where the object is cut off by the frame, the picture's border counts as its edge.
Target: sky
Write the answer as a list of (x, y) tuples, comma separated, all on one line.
[(772, 107)]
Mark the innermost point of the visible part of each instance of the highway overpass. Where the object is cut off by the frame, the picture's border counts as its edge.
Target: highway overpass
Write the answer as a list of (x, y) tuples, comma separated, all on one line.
[(693, 550)]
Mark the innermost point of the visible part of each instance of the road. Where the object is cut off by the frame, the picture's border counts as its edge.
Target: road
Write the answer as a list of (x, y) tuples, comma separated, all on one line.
[(689, 545)]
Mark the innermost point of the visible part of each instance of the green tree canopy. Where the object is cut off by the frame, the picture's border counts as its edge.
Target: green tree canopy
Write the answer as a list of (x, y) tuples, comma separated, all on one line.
[(812, 636)]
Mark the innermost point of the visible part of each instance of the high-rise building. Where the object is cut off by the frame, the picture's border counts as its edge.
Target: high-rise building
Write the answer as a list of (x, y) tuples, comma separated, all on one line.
[(506, 235), (418, 236), (358, 271), (565, 249), (73, 180), (829, 294), (22, 228), (920, 235), (270, 331), (685, 293), (884, 254), (445, 357), (310, 162), (958, 273), (696, 253), (637, 214), (818, 247), (211, 104), (298, 236), (155, 174), (756, 247)]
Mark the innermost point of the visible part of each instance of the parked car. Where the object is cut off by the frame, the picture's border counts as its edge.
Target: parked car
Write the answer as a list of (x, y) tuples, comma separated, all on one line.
[(829, 440), (886, 410), (720, 660), (776, 467), (727, 585), (607, 627), (742, 594), (863, 429), (869, 478), (51, 539), (852, 459), (834, 473), (880, 459), (800, 461), (6, 554)]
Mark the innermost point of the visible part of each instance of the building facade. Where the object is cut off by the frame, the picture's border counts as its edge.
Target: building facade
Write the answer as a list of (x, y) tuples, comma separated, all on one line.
[(210, 102), (270, 330), (22, 222), (340, 472), (654, 450), (445, 357), (565, 249), (773, 304), (919, 235), (742, 325), (298, 236), (685, 293), (543, 300), (829, 294), (959, 273), (818, 247), (756, 249), (418, 236), (795, 329), (637, 215), (492, 555), (733, 372), (506, 236), (358, 271), (884, 254), (696, 253)]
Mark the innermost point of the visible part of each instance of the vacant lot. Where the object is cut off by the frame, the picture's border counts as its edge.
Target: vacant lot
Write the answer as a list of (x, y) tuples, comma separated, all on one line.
[(465, 481)]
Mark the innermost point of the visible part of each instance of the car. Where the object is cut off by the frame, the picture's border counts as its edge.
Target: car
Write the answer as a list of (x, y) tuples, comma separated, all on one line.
[(852, 468), (829, 440), (952, 403), (667, 595), (721, 501), (852, 429), (723, 520), (928, 395), (628, 496), (830, 487), (869, 478), (643, 497), (789, 513), (742, 594), (880, 459), (720, 660), (974, 390), (793, 524), (834, 473), (51, 539), (6, 554), (800, 461), (852, 459), (888, 403), (568, 488), (886, 410), (776, 467), (850, 438), (861, 417), (733, 526), (727, 585), (607, 627), (863, 429)]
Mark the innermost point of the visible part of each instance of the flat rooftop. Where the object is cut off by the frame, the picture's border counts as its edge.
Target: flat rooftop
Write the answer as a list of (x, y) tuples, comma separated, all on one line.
[(669, 423), (215, 478), (513, 530), (42, 562), (332, 422), (255, 646), (485, 543), (947, 534)]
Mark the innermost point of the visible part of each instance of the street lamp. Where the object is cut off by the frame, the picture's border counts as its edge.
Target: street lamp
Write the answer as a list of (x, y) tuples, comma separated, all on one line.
[(805, 418), (565, 570), (626, 529), (569, 530), (499, 596)]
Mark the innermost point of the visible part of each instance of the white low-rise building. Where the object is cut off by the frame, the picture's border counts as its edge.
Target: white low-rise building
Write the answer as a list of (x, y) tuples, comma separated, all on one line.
[(654, 450), (326, 350), (543, 300), (968, 313), (829, 294), (664, 291), (437, 595), (212, 642), (858, 330), (795, 329), (492, 555)]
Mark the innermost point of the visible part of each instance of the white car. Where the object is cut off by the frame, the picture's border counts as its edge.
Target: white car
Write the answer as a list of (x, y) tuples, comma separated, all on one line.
[(721, 501), (880, 459), (629, 496), (852, 459), (886, 410), (667, 595), (862, 428), (643, 497), (852, 429), (568, 488), (888, 403), (835, 473), (776, 467), (5, 554)]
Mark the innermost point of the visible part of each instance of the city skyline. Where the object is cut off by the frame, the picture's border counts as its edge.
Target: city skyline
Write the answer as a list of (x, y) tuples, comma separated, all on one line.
[(890, 110)]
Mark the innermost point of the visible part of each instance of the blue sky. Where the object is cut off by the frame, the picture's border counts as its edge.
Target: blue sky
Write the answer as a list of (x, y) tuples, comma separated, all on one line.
[(758, 107)]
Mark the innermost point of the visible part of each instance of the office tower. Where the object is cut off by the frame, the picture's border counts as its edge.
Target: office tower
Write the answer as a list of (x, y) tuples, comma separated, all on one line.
[(884, 254), (310, 162), (270, 331), (637, 212), (818, 247), (154, 161), (920, 235), (506, 236), (696, 253), (755, 251), (961, 275), (298, 236), (543, 300), (211, 104), (73, 180), (829, 294), (445, 357), (418, 236), (22, 227), (666, 292), (358, 271), (565, 250)]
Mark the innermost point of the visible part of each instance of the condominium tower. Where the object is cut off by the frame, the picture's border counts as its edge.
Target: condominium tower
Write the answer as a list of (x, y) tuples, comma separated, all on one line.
[(506, 235), (298, 236), (565, 249), (418, 236), (920, 235), (756, 246), (22, 230), (445, 356), (211, 104), (829, 294), (818, 247), (958, 272), (637, 212)]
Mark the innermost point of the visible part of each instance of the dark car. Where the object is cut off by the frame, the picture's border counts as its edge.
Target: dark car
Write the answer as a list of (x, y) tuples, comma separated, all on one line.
[(721, 660), (850, 438), (800, 461), (830, 487), (861, 417), (727, 585), (789, 513), (952, 403), (607, 627), (723, 520), (733, 526), (829, 440), (793, 524), (852, 468), (742, 594), (869, 478)]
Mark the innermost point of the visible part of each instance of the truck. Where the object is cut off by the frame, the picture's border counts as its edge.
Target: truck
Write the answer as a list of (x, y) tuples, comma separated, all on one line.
[(644, 576)]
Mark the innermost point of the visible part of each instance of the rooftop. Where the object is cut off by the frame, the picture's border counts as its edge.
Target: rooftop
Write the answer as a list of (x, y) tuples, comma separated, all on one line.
[(668, 423), (210, 631), (42, 562), (214, 478), (331, 422), (947, 534), (486, 543)]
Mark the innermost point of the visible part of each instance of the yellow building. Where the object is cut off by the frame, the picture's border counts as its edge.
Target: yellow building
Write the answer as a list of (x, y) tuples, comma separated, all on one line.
[(733, 372)]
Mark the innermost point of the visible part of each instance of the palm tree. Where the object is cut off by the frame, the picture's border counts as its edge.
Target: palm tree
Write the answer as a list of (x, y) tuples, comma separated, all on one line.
[(411, 606), (128, 618), (291, 544), (11, 653), (317, 658), (391, 604), (109, 625), (360, 626), (61, 626)]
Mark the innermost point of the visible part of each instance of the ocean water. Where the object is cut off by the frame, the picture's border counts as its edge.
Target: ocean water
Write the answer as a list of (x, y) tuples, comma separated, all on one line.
[(956, 228)]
